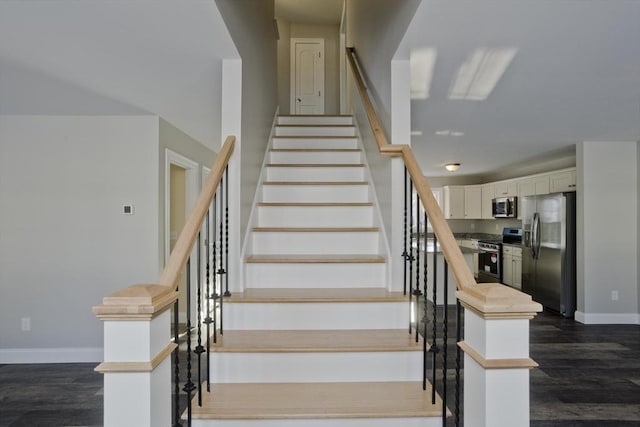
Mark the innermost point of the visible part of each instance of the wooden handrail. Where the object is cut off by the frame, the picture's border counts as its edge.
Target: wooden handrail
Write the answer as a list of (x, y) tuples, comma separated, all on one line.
[(464, 276), (182, 249)]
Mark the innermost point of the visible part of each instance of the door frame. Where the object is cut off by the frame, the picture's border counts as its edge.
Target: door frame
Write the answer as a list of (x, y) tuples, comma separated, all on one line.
[(293, 63), (192, 172)]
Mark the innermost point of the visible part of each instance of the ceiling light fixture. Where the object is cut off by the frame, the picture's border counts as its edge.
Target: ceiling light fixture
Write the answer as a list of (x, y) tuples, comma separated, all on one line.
[(452, 167), (479, 74), (421, 63)]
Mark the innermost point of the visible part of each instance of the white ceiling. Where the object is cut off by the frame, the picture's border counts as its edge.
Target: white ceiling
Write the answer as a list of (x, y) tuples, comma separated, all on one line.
[(575, 77), (309, 11)]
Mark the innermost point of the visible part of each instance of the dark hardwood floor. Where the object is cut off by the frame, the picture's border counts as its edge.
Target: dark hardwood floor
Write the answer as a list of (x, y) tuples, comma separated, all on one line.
[(589, 376)]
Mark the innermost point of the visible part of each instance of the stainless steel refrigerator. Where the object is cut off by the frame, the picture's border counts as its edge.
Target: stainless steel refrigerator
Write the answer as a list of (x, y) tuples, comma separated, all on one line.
[(549, 252)]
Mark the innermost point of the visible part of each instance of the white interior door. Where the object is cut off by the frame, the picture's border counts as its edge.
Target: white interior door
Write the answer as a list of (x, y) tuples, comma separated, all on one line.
[(307, 76)]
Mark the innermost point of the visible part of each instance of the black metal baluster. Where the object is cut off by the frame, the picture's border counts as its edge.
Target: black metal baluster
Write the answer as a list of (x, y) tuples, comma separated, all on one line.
[(445, 321), (425, 319), (417, 290), (434, 345), (199, 348), (176, 367), (405, 254), (189, 387), (226, 234), (458, 360), (215, 271), (221, 270), (411, 257), (208, 319)]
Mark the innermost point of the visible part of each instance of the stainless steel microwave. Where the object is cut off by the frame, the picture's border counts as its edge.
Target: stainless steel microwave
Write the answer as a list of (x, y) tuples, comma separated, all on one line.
[(504, 207)]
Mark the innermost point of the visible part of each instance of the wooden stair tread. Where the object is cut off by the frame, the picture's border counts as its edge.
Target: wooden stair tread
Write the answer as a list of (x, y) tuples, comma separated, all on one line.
[(315, 150), (315, 183), (314, 137), (316, 229), (317, 400), (319, 125), (316, 259), (317, 341), (314, 165), (315, 115), (315, 204), (251, 295)]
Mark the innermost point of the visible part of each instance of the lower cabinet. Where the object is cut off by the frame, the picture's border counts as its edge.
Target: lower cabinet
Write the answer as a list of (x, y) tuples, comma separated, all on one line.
[(512, 266)]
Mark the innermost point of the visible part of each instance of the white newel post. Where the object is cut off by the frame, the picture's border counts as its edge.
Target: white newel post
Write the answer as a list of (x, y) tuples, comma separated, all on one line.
[(496, 360), (137, 356)]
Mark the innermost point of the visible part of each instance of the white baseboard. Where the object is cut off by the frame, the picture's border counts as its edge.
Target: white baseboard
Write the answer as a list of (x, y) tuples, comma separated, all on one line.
[(51, 355), (607, 318)]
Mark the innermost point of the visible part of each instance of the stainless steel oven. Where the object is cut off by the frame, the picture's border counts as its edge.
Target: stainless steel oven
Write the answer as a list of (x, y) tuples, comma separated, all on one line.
[(489, 261)]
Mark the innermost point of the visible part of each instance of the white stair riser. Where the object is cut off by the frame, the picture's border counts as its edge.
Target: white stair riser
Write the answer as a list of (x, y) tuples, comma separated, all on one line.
[(315, 131), (325, 422), (315, 120), (315, 216), (346, 315), (316, 157), (315, 174), (305, 243), (315, 193), (332, 143), (315, 367), (355, 275)]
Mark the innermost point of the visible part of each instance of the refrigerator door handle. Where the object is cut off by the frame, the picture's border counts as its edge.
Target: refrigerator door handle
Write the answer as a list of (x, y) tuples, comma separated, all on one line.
[(535, 236)]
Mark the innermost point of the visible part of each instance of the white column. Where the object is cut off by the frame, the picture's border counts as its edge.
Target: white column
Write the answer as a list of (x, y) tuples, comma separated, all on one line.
[(137, 362), (496, 360)]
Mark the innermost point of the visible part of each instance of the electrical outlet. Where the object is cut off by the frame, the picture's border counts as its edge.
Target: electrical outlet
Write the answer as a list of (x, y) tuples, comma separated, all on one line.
[(497, 227), (473, 225), (614, 295), (26, 324)]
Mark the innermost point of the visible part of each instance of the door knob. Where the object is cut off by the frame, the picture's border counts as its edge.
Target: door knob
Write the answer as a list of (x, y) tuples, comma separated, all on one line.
[(298, 100)]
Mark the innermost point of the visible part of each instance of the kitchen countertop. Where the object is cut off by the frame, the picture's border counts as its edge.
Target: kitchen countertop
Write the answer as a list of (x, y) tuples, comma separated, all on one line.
[(430, 247)]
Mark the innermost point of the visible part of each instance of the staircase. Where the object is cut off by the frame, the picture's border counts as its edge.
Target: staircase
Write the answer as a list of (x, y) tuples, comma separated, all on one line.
[(316, 338)]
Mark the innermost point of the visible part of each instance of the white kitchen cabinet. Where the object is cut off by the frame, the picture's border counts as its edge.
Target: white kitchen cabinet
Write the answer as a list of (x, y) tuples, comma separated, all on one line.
[(562, 181), (471, 244), (534, 186), (454, 202), (488, 194), (506, 188), (512, 266), (473, 202), (517, 268)]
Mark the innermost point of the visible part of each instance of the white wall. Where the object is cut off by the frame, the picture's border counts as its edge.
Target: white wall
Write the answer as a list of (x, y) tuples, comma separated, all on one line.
[(250, 23), (284, 66), (331, 36), (65, 243), (607, 241), (375, 28)]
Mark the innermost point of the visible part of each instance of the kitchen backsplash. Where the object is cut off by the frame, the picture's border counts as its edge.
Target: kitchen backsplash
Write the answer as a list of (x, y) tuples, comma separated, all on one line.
[(482, 225)]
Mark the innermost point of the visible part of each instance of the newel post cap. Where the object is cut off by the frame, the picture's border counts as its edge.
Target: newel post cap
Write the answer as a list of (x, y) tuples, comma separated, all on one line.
[(137, 302), (497, 301)]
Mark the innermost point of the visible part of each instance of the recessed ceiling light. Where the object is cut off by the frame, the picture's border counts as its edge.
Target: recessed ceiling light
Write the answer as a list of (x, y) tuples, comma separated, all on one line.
[(452, 167), (443, 132), (421, 62), (479, 74), (416, 132), (456, 133)]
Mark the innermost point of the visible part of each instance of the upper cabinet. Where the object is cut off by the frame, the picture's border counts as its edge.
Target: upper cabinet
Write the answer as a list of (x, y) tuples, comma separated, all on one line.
[(534, 186), (488, 194), (473, 202), (562, 181), (506, 188), (453, 202)]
